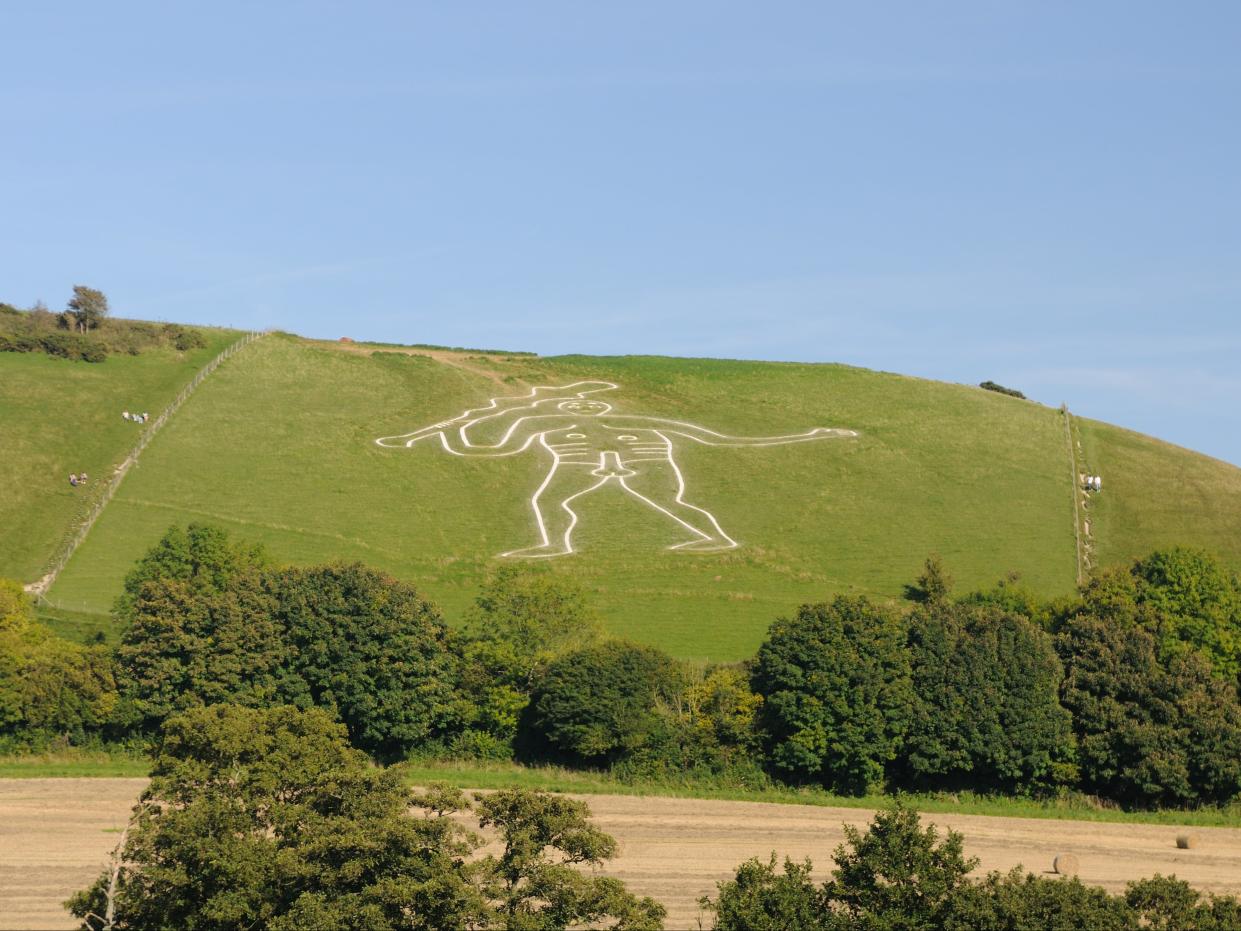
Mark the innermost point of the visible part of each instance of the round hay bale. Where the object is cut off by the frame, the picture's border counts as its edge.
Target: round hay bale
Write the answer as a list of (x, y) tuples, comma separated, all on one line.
[(1186, 841), (1065, 864)]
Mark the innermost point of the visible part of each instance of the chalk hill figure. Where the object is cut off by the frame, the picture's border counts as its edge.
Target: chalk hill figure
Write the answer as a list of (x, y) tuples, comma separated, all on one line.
[(589, 446)]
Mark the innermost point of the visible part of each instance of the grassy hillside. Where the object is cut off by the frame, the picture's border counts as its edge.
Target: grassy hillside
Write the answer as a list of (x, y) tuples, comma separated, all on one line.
[(1156, 494), (57, 417), (278, 446)]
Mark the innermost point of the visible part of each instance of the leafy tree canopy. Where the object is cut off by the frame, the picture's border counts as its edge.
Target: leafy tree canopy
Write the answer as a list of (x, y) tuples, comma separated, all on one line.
[(836, 691), (267, 818), (987, 713), (202, 556), (88, 307), (373, 651), (524, 618), (1148, 734), (50, 688), (599, 703)]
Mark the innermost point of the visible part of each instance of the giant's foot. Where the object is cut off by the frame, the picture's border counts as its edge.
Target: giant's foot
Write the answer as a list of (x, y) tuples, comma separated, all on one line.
[(538, 552), (706, 545)]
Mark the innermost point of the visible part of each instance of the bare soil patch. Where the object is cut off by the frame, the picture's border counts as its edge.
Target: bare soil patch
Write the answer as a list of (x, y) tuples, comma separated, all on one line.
[(55, 836)]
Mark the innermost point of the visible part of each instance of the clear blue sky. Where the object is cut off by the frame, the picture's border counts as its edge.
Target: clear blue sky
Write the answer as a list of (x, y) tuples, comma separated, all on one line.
[(1043, 194)]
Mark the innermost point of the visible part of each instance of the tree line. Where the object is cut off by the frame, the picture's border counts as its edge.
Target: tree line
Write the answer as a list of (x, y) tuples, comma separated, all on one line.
[(1126, 690), (85, 331), (268, 818), (899, 876)]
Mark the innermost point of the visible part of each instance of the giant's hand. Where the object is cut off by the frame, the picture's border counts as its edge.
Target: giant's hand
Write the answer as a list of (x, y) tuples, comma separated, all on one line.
[(424, 433)]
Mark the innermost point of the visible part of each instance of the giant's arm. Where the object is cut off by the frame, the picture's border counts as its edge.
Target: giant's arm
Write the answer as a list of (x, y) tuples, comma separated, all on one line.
[(711, 438), (453, 435)]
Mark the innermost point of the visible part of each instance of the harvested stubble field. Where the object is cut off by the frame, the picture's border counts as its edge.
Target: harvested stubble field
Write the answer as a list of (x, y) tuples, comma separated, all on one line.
[(55, 836)]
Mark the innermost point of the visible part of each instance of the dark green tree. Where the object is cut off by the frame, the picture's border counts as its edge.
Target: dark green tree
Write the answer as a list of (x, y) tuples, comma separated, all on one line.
[(934, 585), (268, 819), (987, 714), (87, 308), (202, 556), (836, 693), (1148, 734), (373, 651), (538, 881), (758, 898), (192, 643), (898, 874), (598, 704), (1017, 901)]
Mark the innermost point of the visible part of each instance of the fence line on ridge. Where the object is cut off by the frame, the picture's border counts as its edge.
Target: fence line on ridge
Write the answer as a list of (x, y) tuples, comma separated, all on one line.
[(68, 547)]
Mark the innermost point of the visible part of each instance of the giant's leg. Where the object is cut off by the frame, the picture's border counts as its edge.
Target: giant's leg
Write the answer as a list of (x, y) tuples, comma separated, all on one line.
[(553, 512), (660, 485)]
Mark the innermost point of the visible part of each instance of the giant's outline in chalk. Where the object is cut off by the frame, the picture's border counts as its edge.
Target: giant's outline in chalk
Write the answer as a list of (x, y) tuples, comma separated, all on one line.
[(579, 432)]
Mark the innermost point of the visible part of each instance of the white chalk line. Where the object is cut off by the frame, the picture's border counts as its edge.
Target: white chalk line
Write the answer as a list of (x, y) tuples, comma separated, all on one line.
[(575, 411)]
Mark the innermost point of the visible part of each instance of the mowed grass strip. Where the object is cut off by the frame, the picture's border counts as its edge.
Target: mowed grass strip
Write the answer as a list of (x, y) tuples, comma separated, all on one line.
[(59, 416), (73, 763), (278, 446), (498, 775), (1157, 495), (78, 763)]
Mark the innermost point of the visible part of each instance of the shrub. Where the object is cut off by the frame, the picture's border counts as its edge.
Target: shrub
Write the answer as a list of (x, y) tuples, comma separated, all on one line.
[(599, 704), (268, 819), (758, 898), (1024, 902), (373, 651), (1148, 734), (987, 714), (707, 730), (896, 875), (1165, 903), (184, 339), (992, 386), (66, 336), (189, 645), (50, 688), (836, 693)]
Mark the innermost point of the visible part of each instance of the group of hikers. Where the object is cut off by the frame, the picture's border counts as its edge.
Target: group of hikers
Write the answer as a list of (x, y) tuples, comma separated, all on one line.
[(1094, 483), (76, 479), (136, 418)]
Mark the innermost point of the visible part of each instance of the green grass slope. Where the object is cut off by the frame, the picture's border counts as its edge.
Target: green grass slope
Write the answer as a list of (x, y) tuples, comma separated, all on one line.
[(278, 446), (58, 417), (1156, 494)]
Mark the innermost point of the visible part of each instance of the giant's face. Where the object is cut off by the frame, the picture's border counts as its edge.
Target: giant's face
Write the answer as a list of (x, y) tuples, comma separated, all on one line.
[(584, 407)]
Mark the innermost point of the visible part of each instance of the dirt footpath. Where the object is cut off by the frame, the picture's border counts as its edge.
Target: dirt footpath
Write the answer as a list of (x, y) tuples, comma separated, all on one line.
[(55, 836)]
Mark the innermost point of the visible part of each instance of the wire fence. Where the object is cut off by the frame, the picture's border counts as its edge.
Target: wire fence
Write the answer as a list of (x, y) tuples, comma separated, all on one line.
[(1082, 564), (108, 489)]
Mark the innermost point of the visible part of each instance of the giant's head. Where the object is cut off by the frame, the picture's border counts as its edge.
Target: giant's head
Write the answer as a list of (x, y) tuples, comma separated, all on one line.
[(584, 407)]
